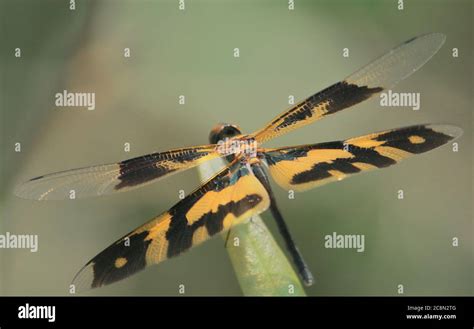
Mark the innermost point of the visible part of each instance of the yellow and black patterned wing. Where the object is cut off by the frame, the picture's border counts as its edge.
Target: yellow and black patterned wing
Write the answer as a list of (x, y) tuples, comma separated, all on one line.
[(230, 197), (381, 74), (304, 167), (116, 177)]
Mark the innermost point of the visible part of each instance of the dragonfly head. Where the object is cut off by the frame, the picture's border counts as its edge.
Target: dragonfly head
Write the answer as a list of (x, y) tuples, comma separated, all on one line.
[(222, 131)]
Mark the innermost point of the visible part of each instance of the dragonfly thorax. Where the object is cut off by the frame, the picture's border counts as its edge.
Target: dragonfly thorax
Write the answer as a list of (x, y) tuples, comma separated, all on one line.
[(223, 131), (230, 142)]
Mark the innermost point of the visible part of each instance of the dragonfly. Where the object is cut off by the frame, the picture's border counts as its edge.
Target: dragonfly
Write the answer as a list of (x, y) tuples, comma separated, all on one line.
[(242, 188)]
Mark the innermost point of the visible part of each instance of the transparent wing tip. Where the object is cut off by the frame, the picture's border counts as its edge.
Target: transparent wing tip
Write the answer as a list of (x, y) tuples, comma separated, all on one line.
[(434, 37), (23, 190), (399, 63), (83, 279), (448, 130), (430, 43), (34, 189)]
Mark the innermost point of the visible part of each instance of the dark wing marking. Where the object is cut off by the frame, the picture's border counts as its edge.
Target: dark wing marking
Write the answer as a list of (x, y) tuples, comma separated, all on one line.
[(382, 73), (230, 197), (116, 177), (304, 167)]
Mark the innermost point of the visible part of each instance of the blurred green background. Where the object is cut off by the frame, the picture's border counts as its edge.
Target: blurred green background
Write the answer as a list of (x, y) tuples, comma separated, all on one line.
[(190, 53)]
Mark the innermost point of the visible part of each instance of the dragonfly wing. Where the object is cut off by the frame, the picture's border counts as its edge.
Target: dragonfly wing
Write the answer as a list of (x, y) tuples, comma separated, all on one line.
[(381, 74), (230, 197), (304, 167), (116, 177)]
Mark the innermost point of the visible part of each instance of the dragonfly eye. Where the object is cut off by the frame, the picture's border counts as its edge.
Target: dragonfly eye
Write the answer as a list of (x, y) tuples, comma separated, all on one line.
[(223, 131)]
